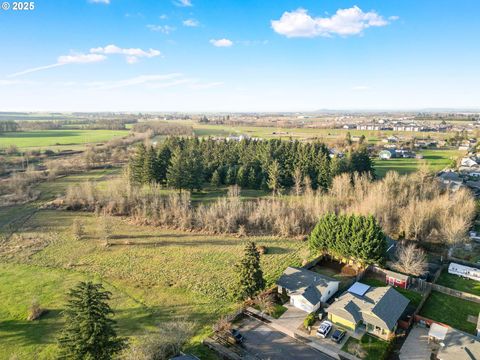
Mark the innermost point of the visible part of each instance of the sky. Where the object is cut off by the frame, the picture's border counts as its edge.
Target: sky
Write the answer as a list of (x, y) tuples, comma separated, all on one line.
[(239, 55)]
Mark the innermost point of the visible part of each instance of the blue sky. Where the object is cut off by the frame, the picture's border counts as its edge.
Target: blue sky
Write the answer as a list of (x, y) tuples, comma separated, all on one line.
[(244, 55)]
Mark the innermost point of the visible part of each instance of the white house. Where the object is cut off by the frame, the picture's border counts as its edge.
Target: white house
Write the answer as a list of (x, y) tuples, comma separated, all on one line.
[(307, 289)]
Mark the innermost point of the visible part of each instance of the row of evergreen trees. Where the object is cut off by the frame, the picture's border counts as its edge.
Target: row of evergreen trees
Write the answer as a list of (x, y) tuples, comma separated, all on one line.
[(186, 163), (355, 237), (8, 126)]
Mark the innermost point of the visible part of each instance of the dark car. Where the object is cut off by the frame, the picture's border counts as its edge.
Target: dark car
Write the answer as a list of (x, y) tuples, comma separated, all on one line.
[(338, 335), (237, 336)]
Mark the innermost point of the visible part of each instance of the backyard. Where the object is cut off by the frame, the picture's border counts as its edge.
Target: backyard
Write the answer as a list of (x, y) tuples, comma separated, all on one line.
[(452, 311), (459, 283)]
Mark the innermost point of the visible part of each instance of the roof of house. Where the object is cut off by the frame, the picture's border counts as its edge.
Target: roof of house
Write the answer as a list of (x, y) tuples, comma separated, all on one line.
[(396, 275), (380, 306), (305, 282), (459, 346)]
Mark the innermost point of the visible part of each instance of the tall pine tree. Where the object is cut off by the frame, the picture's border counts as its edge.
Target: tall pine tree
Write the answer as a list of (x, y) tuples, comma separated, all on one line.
[(250, 273), (89, 332)]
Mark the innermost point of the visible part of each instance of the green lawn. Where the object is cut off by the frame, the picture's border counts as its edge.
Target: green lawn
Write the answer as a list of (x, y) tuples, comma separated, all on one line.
[(414, 297), (37, 339), (368, 348), (451, 311), (459, 283), (171, 274), (57, 138), (436, 159)]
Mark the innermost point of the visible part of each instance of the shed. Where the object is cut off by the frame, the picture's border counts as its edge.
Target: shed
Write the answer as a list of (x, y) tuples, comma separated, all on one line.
[(396, 279), (464, 271)]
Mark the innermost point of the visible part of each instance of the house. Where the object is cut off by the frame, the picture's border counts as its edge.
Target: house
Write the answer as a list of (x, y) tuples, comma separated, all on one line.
[(450, 180), (373, 309), (454, 344), (307, 289), (393, 278), (464, 271)]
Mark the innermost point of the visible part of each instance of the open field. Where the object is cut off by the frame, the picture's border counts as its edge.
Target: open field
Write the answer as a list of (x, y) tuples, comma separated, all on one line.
[(156, 275), (459, 283), (451, 311), (56, 139), (436, 160)]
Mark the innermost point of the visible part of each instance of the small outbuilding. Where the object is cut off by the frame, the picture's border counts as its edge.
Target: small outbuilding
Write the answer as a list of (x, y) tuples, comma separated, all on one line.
[(393, 278), (464, 271)]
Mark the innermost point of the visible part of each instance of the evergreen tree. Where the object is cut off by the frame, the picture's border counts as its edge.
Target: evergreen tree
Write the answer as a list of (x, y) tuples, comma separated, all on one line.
[(150, 168), (177, 172), (216, 179), (89, 332), (250, 273), (252, 179), (274, 177), (163, 161), (242, 176), (137, 164), (231, 177)]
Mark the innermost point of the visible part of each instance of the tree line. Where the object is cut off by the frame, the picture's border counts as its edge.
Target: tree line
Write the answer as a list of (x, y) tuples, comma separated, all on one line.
[(349, 236), (8, 126), (187, 163)]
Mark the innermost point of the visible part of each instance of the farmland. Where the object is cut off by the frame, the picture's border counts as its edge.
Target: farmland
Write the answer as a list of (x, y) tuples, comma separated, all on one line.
[(155, 275), (56, 139)]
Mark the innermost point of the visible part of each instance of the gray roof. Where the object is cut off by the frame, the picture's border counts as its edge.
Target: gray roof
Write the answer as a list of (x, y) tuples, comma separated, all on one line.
[(381, 306), (305, 282), (459, 346), (185, 357)]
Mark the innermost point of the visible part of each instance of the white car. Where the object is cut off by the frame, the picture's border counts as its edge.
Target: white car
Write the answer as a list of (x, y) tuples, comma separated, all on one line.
[(324, 329)]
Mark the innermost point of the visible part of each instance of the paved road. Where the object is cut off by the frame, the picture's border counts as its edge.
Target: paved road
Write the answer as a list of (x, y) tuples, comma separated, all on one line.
[(265, 343)]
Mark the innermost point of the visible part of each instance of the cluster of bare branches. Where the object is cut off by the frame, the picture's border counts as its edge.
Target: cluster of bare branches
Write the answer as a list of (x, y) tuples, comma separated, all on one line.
[(413, 207)]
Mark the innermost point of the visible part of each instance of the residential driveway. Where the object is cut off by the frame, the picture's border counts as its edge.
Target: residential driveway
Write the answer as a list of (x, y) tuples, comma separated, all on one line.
[(416, 345), (265, 343), (292, 318)]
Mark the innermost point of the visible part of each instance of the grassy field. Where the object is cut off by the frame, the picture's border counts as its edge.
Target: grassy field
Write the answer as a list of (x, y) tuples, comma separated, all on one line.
[(155, 275), (451, 311), (459, 283), (54, 139), (368, 348), (436, 160)]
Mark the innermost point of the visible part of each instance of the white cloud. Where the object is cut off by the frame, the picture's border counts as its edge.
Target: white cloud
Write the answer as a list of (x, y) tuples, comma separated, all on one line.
[(80, 59), (64, 60), (137, 80), (345, 22), (100, 1), (221, 42), (95, 55), (183, 3), (163, 17), (131, 54), (164, 29), (191, 23)]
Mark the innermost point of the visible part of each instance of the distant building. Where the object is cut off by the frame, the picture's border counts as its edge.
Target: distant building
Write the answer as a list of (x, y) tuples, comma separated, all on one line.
[(464, 271), (387, 154)]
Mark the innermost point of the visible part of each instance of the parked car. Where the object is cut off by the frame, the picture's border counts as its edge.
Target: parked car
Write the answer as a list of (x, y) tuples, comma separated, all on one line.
[(338, 335), (237, 336), (324, 329)]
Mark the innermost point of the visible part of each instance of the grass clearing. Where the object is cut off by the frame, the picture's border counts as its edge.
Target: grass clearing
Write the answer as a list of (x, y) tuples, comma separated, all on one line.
[(451, 311), (368, 348), (161, 274), (436, 160), (459, 283), (53, 139)]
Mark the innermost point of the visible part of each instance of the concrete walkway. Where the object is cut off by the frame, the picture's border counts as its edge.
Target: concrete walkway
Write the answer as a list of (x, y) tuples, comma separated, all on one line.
[(292, 318)]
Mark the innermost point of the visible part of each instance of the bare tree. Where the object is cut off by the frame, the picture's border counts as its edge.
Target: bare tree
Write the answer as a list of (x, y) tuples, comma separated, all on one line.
[(410, 259), (162, 344), (78, 230), (265, 303)]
